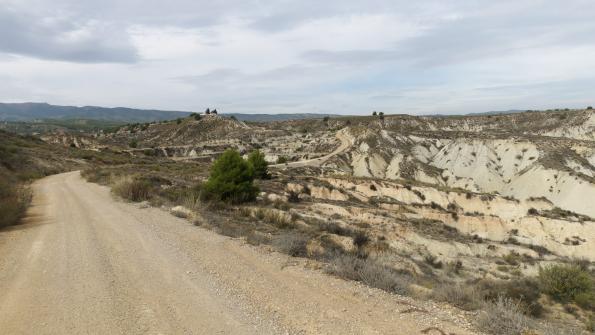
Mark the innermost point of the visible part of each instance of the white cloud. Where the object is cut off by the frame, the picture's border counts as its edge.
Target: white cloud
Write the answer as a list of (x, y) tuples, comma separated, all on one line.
[(309, 56)]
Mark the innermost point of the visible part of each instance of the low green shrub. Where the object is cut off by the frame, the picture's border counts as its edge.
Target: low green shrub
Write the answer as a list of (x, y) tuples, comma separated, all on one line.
[(565, 283), (586, 300), (525, 291)]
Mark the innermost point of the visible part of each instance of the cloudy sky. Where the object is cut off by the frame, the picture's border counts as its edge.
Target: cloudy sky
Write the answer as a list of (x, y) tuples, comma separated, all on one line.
[(280, 56)]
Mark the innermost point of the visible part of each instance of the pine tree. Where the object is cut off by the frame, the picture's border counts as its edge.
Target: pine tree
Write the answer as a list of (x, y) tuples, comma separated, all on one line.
[(259, 164), (231, 179)]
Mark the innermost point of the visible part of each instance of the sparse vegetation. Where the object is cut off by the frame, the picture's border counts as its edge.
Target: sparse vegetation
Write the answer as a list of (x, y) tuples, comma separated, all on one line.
[(503, 317), (361, 239), (370, 272), (292, 243), (282, 160), (466, 297), (24, 159), (432, 261), (356, 237)]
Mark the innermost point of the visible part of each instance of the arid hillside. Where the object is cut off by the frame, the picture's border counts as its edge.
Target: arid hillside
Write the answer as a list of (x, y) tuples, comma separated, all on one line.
[(457, 209)]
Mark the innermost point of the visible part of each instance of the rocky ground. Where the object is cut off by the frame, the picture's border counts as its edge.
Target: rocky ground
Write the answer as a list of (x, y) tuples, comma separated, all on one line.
[(447, 200)]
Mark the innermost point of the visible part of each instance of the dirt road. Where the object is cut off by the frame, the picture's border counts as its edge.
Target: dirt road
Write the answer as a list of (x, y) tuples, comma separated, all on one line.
[(346, 143), (86, 264)]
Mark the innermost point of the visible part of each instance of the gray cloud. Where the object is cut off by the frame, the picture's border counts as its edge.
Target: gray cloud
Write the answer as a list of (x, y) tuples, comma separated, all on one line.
[(59, 39), (494, 32), (302, 56)]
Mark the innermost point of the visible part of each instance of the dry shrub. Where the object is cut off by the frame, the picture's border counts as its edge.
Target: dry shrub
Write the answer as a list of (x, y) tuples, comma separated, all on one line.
[(231, 229), (191, 200), (292, 243), (551, 329), (96, 175), (245, 212), (503, 317), (337, 228), (369, 272), (433, 261), (360, 239), (453, 267), (525, 291), (274, 217), (181, 212), (132, 189), (464, 296), (257, 238), (14, 201)]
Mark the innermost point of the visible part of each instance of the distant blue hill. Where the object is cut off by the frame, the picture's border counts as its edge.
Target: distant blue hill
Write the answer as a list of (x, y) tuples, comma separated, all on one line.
[(34, 111), (30, 111)]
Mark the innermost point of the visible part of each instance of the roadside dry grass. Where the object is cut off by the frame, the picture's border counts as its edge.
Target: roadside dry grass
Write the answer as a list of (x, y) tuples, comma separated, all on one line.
[(22, 160), (14, 200), (278, 226), (504, 317), (132, 189), (370, 272)]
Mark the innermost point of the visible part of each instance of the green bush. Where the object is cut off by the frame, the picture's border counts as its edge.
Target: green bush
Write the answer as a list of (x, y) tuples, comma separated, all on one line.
[(231, 179), (259, 164), (586, 300), (281, 160), (565, 283)]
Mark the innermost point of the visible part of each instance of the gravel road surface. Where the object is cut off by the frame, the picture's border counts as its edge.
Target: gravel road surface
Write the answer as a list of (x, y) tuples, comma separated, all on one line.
[(86, 263)]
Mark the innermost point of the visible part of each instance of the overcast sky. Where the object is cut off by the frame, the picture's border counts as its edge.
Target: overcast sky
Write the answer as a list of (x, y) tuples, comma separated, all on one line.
[(331, 56)]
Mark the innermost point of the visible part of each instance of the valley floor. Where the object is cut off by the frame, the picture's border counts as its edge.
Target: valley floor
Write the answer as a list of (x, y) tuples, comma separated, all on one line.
[(84, 263)]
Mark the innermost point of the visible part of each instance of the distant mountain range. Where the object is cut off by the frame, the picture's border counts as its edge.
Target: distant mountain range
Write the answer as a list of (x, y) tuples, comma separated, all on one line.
[(35, 111), (30, 111)]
